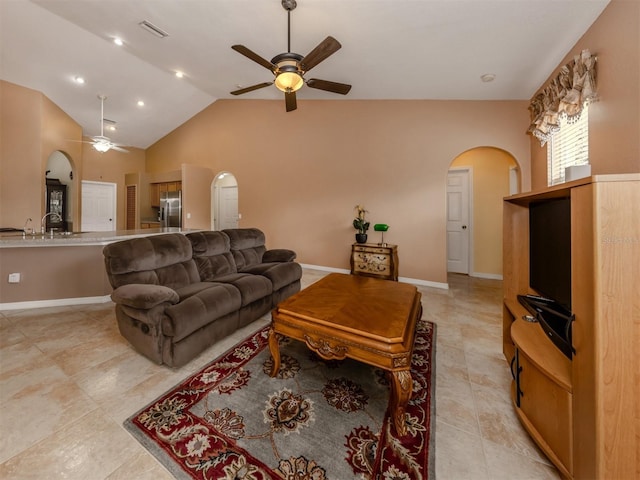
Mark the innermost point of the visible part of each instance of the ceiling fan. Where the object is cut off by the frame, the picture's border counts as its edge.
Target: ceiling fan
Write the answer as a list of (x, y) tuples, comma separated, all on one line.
[(289, 68), (100, 142)]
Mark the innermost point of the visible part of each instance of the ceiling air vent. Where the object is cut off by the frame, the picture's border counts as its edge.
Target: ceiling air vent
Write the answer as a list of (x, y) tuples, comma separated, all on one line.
[(151, 28)]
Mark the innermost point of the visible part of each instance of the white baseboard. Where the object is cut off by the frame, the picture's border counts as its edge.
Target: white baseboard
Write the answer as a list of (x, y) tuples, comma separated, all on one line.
[(64, 302), (414, 281), (324, 269), (56, 302), (488, 276)]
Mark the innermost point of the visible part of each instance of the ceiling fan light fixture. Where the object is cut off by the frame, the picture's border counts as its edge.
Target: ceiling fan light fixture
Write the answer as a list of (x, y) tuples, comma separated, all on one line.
[(289, 81), (102, 146)]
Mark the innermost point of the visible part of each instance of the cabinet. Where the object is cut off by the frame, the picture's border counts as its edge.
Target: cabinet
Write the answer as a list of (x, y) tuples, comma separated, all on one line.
[(155, 189), (146, 225), (375, 260), (56, 205), (584, 412)]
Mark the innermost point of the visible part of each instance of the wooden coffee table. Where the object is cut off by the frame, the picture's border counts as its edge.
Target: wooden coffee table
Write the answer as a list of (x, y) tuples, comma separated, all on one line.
[(363, 318)]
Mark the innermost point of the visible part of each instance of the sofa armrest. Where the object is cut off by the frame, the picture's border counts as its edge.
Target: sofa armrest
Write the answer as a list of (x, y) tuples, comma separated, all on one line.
[(278, 255), (143, 296)]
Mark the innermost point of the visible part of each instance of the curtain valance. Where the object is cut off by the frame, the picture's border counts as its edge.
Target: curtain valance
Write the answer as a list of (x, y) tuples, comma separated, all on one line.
[(567, 93)]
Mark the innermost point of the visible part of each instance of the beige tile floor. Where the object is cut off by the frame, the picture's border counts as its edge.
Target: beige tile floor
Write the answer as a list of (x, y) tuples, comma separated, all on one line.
[(68, 380)]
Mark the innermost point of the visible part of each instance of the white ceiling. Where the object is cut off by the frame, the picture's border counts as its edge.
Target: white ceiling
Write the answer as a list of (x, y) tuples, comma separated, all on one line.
[(391, 49)]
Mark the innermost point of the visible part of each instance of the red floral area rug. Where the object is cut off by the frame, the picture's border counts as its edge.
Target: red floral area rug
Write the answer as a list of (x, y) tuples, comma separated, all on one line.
[(317, 420)]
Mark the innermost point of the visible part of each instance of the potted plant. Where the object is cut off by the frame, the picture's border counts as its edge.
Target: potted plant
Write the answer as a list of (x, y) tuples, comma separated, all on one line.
[(360, 224)]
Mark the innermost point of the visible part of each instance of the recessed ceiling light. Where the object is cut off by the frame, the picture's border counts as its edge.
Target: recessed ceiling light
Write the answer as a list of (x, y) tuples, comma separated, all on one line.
[(118, 41), (179, 74), (488, 77), (140, 103), (79, 80)]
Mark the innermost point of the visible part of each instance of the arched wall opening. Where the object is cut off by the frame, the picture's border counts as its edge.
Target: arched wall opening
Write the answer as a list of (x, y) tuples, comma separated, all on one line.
[(493, 174), (60, 166), (224, 201)]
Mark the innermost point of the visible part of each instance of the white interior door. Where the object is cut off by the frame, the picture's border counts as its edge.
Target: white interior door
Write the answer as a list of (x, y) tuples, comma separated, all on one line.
[(458, 231), (98, 206), (228, 206)]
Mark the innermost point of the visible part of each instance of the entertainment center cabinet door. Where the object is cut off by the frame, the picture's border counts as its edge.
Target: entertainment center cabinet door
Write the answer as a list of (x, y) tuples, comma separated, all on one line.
[(546, 408)]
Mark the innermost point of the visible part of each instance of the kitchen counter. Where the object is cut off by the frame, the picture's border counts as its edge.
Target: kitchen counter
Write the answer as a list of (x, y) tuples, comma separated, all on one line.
[(67, 269), (16, 239)]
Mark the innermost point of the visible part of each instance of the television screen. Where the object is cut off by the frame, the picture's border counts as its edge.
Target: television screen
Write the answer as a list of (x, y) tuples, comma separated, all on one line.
[(550, 249)]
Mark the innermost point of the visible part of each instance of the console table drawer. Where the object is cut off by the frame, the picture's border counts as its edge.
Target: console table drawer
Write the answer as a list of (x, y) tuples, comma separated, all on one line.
[(365, 257), (375, 260), (373, 268), (368, 249)]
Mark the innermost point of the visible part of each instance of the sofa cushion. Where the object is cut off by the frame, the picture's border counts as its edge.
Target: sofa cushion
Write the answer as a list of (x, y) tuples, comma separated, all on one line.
[(247, 246), (251, 287), (280, 274), (157, 260), (212, 255), (200, 309), (193, 288)]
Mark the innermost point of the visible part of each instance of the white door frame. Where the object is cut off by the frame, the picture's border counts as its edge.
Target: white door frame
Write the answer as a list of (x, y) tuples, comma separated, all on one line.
[(469, 172)]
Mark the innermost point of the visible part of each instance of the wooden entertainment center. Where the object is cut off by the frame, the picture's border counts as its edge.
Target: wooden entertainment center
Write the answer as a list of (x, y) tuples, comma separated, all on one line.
[(584, 412)]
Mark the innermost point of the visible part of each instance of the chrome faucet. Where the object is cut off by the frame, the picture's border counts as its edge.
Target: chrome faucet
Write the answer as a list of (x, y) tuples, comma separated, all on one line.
[(43, 230)]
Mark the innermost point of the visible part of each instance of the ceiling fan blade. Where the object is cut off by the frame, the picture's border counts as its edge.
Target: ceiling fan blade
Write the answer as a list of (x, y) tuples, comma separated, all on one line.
[(119, 149), (254, 56), (327, 47), (290, 101), (335, 87), (251, 88)]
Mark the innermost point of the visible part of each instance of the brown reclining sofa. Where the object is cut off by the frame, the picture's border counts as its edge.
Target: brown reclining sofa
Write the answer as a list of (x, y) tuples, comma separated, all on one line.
[(178, 294)]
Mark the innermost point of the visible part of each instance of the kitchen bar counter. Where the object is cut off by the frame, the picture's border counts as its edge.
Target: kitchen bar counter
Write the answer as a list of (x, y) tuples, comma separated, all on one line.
[(63, 270), (16, 239)]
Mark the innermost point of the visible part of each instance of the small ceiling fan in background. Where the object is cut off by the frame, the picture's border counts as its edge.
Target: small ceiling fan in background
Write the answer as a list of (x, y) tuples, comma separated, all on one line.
[(289, 68), (101, 143)]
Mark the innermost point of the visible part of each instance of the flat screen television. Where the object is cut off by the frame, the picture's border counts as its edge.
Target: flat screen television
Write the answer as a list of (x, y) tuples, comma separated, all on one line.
[(550, 270), (550, 249)]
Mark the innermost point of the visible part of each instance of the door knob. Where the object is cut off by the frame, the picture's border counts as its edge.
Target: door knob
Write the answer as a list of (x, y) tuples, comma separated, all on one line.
[(464, 227)]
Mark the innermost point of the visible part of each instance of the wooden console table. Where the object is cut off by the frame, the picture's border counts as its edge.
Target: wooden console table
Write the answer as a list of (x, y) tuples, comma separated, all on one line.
[(375, 260)]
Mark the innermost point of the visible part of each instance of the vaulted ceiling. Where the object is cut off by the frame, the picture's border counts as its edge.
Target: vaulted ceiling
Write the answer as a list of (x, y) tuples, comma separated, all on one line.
[(391, 49)]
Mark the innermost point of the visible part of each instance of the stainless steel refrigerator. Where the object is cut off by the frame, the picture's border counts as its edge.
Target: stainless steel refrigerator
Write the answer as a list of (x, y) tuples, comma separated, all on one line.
[(171, 209)]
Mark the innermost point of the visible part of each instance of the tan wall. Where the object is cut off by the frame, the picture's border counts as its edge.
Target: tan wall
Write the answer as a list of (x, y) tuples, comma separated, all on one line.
[(301, 173), (52, 273), (196, 195), (57, 131), (490, 167), (31, 128), (614, 121)]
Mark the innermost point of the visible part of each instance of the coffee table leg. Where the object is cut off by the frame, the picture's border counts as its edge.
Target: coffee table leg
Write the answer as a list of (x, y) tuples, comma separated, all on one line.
[(274, 347), (401, 387)]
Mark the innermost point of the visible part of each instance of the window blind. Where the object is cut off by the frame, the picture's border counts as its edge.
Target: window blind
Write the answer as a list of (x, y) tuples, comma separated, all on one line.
[(568, 146)]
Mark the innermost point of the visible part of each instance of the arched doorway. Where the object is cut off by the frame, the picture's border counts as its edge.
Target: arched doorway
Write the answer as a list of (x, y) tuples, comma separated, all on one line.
[(224, 202), (59, 170), (492, 174)]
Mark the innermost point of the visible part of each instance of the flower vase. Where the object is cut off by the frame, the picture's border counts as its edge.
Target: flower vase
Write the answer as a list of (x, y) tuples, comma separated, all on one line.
[(361, 237)]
